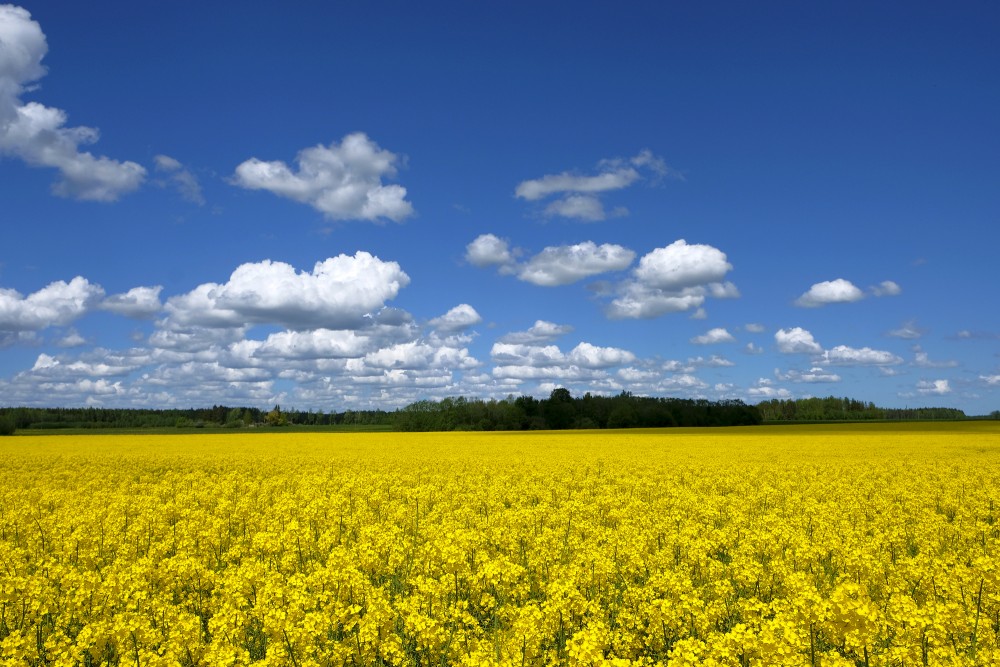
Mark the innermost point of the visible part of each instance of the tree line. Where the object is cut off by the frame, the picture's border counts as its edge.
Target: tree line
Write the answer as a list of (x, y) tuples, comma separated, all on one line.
[(563, 411), (560, 410), (214, 417), (833, 408)]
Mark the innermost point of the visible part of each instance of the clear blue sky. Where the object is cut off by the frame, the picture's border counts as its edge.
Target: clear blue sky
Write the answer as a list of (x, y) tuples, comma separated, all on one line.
[(354, 205)]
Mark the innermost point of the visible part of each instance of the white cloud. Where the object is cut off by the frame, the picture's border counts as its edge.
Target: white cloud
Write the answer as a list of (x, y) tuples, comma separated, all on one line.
[(578, 195), (754, 328), (458, 318), (848, 356), (796, 341), (991, 380), (540, 332), (581, 207), (681, 265), (830, 291), (886, 288), (752, 348), (550, 362), (539, 188), (715, 361), (908, 331), (38, 134), (56, 304), (185, 182), (488, 250), (674, 278), (562, 265), (343, 182), (138, 302), (765, 389), (713, 336), (813, 375), (922, 359), (591, 356), (72, 339), (338, 294), (314, 344), (933, 387)]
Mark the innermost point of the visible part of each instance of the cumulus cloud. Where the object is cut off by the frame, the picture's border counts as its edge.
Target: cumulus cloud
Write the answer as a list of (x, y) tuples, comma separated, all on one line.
[(578, 195), (56, 304), (549, 363), (796, 341), (830, 291), (562, 265), (843, 355), (342, 181), (674, 278), (138, 302), (338, 294), (764, 389), (37, 134), (181, 178), (933, 387), (540, 332), (713, 336), (886, 288), (488, 250), (458, 318)]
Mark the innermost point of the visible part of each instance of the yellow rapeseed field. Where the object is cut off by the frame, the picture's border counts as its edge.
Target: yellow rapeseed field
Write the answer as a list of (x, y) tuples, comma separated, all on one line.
[(841, 545)]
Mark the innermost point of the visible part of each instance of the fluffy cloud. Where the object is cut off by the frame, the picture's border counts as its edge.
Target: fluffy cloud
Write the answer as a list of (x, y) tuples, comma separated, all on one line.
[(338, 294), (674, 278), (180, 178), (37, 134), (933, 387), (342, 181), (991, 380), (488, 250), (458, 318), (796, 341), (764, 389), (886, 288), (540, 332), (562, 265), (830, 291), (550, 357), (754, 328), (843, 355), (138, 302), (681, 265), (713, 336), (57, 304)]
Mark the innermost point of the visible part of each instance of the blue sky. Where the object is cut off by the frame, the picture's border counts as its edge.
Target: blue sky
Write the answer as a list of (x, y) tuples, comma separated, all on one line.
[(357, 206)]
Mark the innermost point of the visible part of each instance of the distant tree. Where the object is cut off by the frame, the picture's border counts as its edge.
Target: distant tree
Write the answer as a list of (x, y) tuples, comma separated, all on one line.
[(276, 417), (7, 425)]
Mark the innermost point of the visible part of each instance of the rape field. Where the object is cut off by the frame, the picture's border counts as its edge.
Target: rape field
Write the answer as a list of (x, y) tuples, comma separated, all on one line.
[(832, 545)]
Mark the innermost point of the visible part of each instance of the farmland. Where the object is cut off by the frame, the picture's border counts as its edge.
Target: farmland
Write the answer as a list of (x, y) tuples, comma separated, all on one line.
[(802, 545)]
